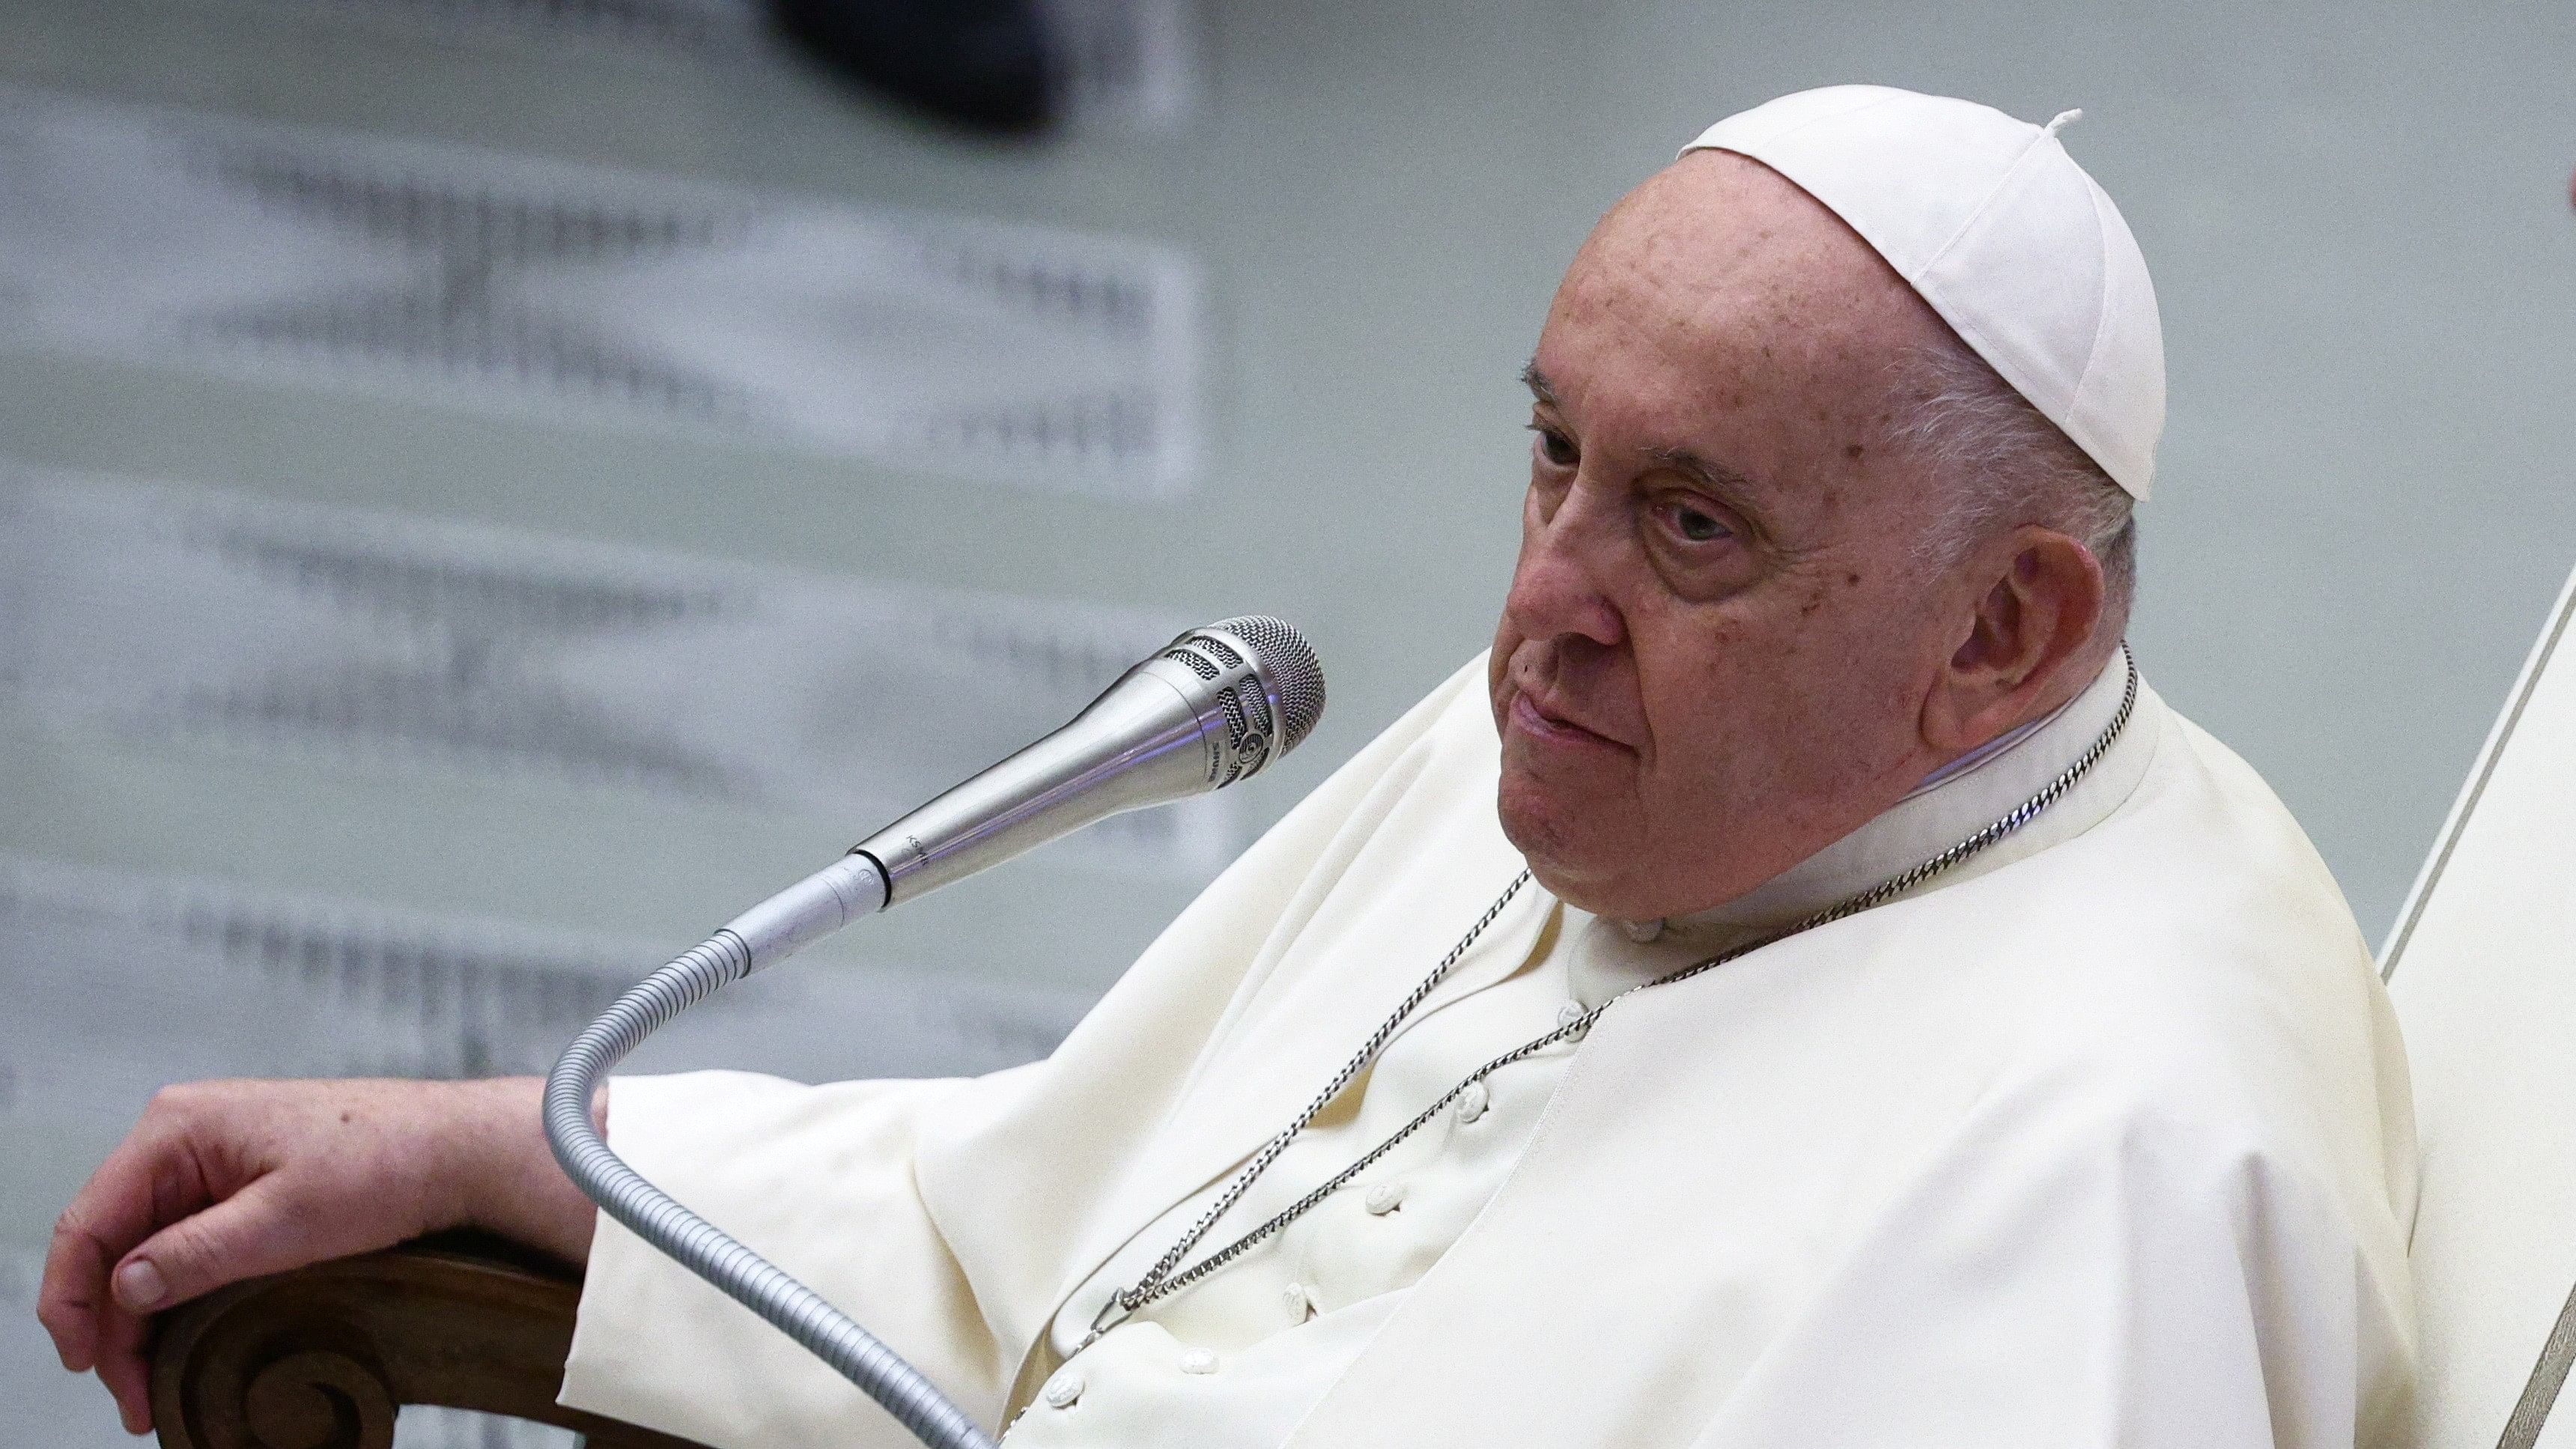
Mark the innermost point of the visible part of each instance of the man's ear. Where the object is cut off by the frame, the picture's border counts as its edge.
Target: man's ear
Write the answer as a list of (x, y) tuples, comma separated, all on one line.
[(2028, 634)]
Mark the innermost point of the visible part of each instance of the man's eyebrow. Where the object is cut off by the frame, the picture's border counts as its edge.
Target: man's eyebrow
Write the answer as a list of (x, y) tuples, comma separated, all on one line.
[(1536, 381), (1716, 477)]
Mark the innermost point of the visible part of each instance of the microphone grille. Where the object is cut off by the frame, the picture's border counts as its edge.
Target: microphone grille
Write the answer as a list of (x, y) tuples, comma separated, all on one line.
[(1284, 655)]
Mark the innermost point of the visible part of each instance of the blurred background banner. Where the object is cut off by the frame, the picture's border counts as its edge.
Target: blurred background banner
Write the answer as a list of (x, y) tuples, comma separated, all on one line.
[(573, 295), (230, 981), (491, 488), (170, 614)]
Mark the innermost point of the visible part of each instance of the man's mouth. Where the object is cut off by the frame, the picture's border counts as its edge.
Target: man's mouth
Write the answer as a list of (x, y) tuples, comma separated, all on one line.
[(1540, 722)]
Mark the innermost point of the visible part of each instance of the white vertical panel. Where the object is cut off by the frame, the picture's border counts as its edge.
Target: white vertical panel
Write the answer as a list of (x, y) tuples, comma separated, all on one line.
[(2483, 972)]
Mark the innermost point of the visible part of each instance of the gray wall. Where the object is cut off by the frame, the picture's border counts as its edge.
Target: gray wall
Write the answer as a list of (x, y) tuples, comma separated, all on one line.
[(2357, 218)]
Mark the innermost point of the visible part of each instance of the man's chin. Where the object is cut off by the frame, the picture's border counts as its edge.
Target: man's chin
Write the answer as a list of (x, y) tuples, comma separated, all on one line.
[(1563, 855)]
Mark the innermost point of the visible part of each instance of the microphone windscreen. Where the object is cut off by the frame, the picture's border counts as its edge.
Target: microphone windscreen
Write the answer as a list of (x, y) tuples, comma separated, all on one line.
[(1283, 655)]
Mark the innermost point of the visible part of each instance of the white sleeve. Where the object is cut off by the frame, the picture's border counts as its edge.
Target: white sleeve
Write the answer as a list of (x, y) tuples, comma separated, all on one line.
[(819, 1180)]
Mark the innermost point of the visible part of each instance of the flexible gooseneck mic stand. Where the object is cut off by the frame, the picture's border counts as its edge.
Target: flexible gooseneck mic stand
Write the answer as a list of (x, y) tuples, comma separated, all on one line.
[(1216, 706), (852, 888)]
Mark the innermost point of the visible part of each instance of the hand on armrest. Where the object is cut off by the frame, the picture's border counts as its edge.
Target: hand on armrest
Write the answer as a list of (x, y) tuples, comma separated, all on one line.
[(222, 1181)]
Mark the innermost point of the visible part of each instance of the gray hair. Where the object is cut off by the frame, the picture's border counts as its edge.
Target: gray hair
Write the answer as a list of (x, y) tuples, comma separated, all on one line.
[(2003, 464)]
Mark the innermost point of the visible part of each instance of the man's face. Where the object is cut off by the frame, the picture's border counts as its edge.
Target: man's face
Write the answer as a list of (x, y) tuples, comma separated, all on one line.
[(1717, 641)]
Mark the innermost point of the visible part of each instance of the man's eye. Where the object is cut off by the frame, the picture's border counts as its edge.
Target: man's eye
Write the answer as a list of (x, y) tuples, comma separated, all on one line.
[(1696, 526), (1555, 447)]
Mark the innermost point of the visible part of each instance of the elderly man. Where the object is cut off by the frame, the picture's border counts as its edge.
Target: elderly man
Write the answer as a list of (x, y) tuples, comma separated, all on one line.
[(1870, 1015)]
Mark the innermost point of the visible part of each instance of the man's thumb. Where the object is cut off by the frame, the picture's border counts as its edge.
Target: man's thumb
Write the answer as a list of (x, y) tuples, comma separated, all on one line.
[(243, 1236)]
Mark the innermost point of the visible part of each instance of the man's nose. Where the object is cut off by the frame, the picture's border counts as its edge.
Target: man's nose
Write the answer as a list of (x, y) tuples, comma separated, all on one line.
[(1560, 587)]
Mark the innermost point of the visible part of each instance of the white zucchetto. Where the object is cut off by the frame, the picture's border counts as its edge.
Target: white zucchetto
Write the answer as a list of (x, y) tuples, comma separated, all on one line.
[(1992, 222)]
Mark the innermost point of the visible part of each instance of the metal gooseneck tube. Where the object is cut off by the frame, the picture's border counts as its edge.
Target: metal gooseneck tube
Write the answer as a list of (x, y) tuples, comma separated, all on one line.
[(1215, 707), (824, 902)]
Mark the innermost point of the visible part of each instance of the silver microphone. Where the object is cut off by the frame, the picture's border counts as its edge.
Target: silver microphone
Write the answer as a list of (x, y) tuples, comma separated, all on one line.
[(1217, 705)]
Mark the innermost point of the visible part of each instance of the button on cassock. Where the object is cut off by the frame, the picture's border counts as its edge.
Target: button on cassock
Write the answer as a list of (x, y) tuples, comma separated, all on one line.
[(1198, 1361), (1063, 1389), (1383, 1198), (1473, 1101)]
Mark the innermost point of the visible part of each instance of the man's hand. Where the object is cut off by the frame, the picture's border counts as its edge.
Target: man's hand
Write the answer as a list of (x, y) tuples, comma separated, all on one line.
[(222, 1181)]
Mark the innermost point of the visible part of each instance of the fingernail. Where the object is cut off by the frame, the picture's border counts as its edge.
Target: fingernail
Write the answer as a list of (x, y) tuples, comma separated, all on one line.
[(139, 1286)]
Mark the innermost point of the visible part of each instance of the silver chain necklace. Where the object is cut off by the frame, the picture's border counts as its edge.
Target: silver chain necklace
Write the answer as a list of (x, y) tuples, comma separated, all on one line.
[(1161, 1281)]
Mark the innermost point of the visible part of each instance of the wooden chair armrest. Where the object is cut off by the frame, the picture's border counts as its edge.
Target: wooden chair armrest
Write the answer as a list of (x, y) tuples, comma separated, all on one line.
[(323, 1357)]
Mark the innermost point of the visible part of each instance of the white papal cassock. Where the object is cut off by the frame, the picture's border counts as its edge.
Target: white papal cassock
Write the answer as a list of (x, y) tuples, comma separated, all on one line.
[(2102, 1138)]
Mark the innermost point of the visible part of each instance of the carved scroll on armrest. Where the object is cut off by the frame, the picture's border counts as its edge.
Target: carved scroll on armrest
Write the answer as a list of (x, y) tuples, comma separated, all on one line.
[(321, 1358)]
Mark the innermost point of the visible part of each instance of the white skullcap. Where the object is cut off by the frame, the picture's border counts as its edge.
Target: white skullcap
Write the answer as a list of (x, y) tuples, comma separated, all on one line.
[(1996, 226)]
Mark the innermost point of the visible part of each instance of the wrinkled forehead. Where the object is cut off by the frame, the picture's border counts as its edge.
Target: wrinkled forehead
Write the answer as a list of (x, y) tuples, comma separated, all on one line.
[(1717, 242), (1718, 290)]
